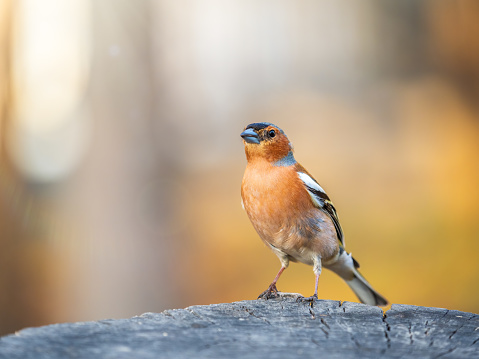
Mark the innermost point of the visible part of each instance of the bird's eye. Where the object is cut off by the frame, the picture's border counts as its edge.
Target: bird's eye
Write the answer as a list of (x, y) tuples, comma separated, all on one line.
[(271, 133)]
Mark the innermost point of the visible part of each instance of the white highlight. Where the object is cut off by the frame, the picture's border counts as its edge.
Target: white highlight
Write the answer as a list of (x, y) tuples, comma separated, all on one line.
[(308, 181)]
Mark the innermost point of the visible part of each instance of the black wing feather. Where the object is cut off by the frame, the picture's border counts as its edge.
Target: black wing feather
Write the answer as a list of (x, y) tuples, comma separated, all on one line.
[(328, 208)]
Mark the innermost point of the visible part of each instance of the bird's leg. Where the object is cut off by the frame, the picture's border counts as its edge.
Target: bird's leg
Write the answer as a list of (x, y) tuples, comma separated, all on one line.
[(314, 296), (317, 271), (272, 291)]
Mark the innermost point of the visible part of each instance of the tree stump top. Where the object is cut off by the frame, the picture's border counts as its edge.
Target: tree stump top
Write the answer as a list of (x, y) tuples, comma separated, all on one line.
[(257, 328)]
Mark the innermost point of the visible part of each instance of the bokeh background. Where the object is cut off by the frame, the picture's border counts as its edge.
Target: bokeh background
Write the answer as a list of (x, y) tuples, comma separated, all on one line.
[(121, 160)]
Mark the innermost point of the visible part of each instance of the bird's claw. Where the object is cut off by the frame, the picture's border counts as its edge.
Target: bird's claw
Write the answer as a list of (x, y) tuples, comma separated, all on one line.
[(270, 293), (309, 300)]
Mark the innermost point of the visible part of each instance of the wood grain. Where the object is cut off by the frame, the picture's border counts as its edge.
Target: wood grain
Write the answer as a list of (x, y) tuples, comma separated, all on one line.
[(259, 329)]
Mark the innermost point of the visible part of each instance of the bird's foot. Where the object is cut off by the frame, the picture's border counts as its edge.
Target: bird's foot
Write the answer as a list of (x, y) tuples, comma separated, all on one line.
[(309, 300), (270, 293)]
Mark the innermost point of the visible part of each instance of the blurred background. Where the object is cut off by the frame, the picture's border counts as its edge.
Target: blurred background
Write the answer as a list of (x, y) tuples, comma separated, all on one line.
[(121, 160)]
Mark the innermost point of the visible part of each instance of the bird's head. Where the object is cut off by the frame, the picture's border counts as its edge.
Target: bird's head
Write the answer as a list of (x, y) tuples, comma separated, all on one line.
[(267, 141)]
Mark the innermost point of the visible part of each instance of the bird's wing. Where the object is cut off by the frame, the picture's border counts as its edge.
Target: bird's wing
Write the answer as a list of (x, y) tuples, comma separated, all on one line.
[(321, 200)]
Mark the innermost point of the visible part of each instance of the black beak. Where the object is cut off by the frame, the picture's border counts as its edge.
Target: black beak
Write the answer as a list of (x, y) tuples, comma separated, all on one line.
[(250, 136)]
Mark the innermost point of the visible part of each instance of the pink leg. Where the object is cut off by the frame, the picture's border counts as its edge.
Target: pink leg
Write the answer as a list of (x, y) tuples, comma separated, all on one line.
[(278, 275), (316, 287), (272, 291), (314, 296)]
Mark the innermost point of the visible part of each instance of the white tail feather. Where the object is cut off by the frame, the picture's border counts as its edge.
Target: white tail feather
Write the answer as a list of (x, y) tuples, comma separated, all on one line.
[(364, 291), (346, 269)]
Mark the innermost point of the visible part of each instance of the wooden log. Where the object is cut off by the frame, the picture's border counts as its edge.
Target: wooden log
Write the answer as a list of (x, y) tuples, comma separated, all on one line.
[(280, 328)]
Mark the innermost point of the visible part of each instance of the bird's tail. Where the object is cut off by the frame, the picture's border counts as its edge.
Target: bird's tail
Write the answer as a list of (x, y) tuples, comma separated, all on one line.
[(364, 291), (347, 268)]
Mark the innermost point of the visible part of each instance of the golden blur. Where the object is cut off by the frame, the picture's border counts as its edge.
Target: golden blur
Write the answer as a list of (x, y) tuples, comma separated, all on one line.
[(121, 160)]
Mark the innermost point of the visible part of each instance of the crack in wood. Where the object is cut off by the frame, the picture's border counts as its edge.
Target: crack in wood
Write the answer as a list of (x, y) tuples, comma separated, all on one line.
[(411, 340), (387, 330), (325, 324), (326, 333), (455, 331), (426, 332), (253, 314), (445, 353)]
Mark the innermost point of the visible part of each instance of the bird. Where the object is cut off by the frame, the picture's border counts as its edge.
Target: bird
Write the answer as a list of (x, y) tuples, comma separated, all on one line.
[(293, 215)]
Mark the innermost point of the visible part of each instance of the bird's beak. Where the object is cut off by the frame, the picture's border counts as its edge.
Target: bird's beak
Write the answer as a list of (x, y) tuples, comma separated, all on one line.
[(250, 136)]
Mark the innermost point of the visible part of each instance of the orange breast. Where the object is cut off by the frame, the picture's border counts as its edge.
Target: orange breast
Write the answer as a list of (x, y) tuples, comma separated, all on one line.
[(282, 212)]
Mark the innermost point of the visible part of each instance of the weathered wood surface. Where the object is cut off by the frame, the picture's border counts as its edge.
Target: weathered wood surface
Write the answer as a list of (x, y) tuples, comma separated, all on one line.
[(259, 329)]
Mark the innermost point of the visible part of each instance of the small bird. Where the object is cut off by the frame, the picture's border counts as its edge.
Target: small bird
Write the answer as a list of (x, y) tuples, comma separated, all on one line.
[(292, 213)]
